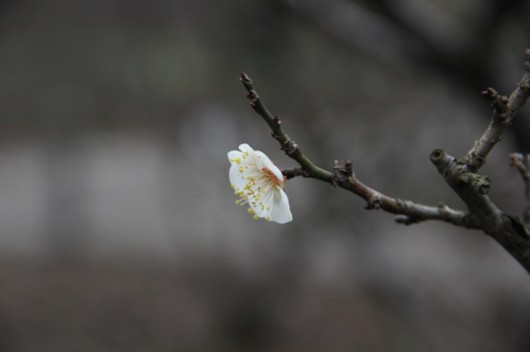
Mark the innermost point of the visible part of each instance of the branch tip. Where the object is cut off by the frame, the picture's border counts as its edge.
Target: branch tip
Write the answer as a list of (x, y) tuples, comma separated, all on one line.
[(489, 92), (522, 164), (437, 155), (245, 78), (516, 159), (498, 101)]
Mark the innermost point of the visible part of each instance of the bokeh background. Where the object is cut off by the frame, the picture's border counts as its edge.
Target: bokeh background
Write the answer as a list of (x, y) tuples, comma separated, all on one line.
[(118, 229)]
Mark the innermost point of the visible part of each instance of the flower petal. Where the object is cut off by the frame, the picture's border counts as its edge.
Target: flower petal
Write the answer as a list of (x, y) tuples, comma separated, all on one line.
[(261, 204), (245, 148), (258, 183), (260, 158), (234, 155), (280, 210), (236, 177), (273, 168), (263, 162)]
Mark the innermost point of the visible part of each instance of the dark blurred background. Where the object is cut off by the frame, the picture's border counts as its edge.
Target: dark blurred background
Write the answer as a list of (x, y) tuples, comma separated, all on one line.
[(118, 229)]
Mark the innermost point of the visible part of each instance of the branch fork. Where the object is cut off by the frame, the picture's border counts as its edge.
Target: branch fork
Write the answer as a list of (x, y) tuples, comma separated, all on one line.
[(498, 102)]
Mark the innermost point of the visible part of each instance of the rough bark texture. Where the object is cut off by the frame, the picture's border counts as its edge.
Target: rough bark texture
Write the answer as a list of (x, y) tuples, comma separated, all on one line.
[(509, 231)]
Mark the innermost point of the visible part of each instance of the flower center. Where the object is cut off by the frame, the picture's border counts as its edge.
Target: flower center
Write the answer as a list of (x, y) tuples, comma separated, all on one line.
[(271, 177)]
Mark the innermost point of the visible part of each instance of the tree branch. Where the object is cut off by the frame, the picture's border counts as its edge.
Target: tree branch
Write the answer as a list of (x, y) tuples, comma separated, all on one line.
[(522, 164), (504, 110), (342, 176), (286, 143), (469, 187), (404, 33), (460, 174), (409, 212), (294, 172)]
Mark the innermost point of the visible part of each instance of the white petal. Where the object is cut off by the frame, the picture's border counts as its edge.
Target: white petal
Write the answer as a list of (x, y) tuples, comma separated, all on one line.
[(262, 207), (256, 210), (245, 148), (280, 210), (260, 159), (234, 154), (236, 178), (263, 161), (240, 169), (274, 169)]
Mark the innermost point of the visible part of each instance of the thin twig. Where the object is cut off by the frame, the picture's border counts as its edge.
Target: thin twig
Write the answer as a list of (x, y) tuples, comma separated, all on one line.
[(504, 111), (459, 174), (408, 212), (522, 164), (286, 143), (294, 172)]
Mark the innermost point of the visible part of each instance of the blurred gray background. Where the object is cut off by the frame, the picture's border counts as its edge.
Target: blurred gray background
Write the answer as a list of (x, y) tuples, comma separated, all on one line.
[(118, 225)]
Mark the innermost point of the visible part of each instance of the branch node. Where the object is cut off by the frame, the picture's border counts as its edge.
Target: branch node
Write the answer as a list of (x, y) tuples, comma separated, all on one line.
[(348, 168), (294, 172), (407, 219), (252, 96), (344, 167), (342, 170), (443, 207), (288, 146), (374, 202), (480, 183)]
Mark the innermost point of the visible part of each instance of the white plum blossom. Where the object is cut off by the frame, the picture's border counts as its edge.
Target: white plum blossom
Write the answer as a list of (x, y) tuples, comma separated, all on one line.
[(259, 183)]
